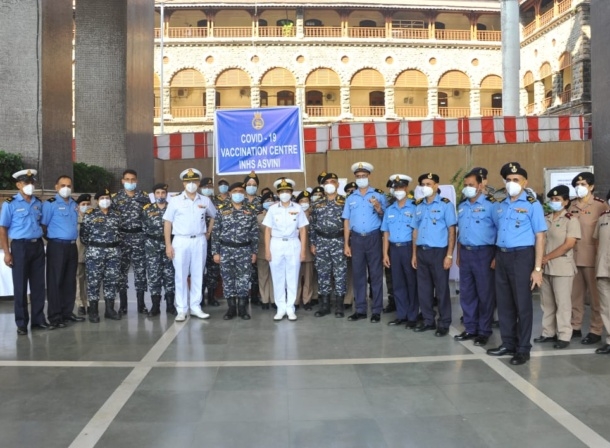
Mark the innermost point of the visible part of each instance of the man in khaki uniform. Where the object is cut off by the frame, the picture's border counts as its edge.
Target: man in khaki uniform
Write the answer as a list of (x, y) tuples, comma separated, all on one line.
[(587, 209), (602, 234)]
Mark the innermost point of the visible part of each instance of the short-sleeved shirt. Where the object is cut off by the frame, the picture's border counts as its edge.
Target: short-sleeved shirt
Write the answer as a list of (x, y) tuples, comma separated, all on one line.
[(476, 226), (188, 216), (130, 208), (397, 222), (60, 218), (559, 229), (432, 221), (363, 218), (602, 235), (518, 221), (235, 225), (587, 213), (22, 218), (285, 222)]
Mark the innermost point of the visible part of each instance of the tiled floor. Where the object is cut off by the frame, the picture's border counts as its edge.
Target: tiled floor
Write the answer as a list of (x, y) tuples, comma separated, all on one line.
[(318, 382)]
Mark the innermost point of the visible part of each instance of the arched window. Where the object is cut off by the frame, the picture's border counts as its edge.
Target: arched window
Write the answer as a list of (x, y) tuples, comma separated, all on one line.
[(313, 98), (264, 98), (285, 98)]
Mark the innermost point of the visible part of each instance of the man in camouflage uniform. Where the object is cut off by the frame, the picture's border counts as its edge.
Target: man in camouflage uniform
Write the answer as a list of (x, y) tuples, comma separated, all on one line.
[(326, 243), (235, 245), (212, 270), (129, 203), (100, 233), (159, 267), (252, 182)]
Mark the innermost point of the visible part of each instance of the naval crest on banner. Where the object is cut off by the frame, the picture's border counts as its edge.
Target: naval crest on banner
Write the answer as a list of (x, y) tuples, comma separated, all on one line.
[(257, 122)]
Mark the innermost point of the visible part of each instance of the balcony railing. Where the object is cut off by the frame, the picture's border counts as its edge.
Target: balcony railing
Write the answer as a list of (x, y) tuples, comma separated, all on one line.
[(276, 31), (368, 111), (322, 31), (323, 111), (547, 103), (233, 31), (157, 33), (364, 32), (529, 109), (412, 111), (489, 36), (547, 17), (452, 34), (188, 111), (186, 32), (410, 33), (565, 97), (491, 111), (564, 6), (529, 29), (157, 112), (454, 112)]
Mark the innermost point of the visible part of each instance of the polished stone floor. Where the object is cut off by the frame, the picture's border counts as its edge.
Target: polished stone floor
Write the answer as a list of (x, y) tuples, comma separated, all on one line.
[(318, 382)]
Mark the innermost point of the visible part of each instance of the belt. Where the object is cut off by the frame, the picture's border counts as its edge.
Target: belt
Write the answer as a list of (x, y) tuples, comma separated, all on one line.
[(283, 239), (27, 240), (232, 244), (330, 235), (408, 243), (57, 240), (484, 246), (105, 245), (513, 249), (161, 239), (188, 236), (136, 230), (365, 233)]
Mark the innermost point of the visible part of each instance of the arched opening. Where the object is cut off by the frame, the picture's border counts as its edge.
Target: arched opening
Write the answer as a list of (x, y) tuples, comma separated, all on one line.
[(565, 68), (365, 99), (491, 96), (285, 98), (279, 83), (456, 87), (452, 26), (187, 90), (411, 94), (232, 23), (277, 23), (233, 89), (364, 24), (547, 80), (264, 98), (528, 85), (187, 23), (326, 82)]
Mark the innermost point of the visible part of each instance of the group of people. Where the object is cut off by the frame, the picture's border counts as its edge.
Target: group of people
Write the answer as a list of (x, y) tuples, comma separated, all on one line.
[(281, 248)]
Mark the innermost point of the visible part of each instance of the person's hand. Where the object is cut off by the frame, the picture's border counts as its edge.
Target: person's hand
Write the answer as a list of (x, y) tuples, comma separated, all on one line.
[(414, 262), (386, 261), (347, 250), (493, 264), (268, 255), (536, 279), (545, 260), (169, 251), (447, 262), (253, 258), (217, 258), (303, 255), (8, 259), (312, 249)]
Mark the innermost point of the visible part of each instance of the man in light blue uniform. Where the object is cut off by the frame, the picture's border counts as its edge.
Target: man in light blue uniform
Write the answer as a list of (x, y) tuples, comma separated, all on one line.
[(398, 251), (521, 238), (20, 221), (475, 256), (362, 216), (60, 222), (434, 236)]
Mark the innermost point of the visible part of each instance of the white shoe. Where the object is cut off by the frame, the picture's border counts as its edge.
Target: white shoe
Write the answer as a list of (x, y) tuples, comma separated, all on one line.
[(279, 316), (181, 317), (292, 316), (198, 312)]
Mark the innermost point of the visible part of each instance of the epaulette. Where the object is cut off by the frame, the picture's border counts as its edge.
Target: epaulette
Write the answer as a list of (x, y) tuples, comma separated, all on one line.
[(568, 215), (445, 200), (113, 195), (418, 201), (9, 199), (490, 198), (605, 213), (146, 206), (174, 195), (143, 200), (531, 199), (595, 198), (143, 192), (89, 211), (251, 207), (347, 195), (340, 199), (51, 200), (377, 190), (221, 206), (410, 196)]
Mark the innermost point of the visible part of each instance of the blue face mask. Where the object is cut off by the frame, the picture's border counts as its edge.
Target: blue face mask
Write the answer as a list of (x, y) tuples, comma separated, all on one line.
[(555, 206), (129, 186), (251, 189), (207, 191), (237, 197), (223, 189), (266, 205)]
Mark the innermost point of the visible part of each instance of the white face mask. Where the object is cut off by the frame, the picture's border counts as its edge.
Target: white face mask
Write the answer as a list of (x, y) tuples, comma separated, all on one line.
[(191, 187), (83, 208), (426, 191), (316, 198), (362, 183), (469, 192), (417, 193), (330, 188), (285, 197), (400, 195), (581, 191), (555, 206), (305, 206), (513, 189), (65, 192), (104, 203), (28, 190)]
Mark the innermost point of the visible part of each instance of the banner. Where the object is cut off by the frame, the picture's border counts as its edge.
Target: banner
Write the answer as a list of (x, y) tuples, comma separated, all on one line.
[(268, 140)]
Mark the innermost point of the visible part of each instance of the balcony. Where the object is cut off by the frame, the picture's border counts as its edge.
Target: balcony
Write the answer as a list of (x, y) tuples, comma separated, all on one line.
[(452, 34), (547, 17), (491, 112), (322, 31), (565, 97), (412, 111), (186, 32), (489, 36), (454, 112), (188, 111), (363, 32), (323, 111), (547, 103), (410, 33), (276, 31), (157, 112), (368, 111), (233, 31), (529, 109)]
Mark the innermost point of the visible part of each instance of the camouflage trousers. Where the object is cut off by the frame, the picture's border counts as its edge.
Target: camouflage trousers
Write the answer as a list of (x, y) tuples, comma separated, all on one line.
[(102, 266), (212, 272), (132, 253), (159, 268), (331, 263), (235, 267)]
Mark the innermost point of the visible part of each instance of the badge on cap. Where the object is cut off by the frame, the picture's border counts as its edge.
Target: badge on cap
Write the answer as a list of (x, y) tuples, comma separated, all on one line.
[(429, 175), (513, 169), (555, 193)]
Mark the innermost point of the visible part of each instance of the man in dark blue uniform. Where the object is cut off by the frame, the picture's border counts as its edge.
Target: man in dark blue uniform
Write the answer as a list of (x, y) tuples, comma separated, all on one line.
[(434, 240), (20, 221), (475, 257), (521, 238), (363, 213)]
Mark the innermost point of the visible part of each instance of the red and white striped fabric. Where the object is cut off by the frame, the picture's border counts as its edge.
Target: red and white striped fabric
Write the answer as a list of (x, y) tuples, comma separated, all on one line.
[(367, 135), (194, 145), (317, 139)]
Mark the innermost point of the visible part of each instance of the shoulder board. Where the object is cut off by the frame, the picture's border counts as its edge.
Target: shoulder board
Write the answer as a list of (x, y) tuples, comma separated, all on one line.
[(531, 199), (463, 200), (113, 195), (595, 198), (51, 200), (445, 200), (8, 200), (410, 196), (146, 206), (89, 211), (377, 190), (222, 206), (349, 193), (143, 192), (605, 213), (36, 197), (340, 199), (490, 198), (175, 194), (568, 215), (418, 201)]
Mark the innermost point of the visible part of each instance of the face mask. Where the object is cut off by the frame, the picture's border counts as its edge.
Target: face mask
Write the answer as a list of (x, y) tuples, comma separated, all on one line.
[(104, 203), (83, 208), (400, 195), (28, 190), (251, 189), (330, 188), (418, 193), (237, 197), (285, 197), (65, 192), (426, 191), (362, 183), (581, 191), (305, 206), (161, 200), (207, 191), (191, 187), (555, 206), (316, 198), (469, 192), (129, 186), (223, 189), (513, 189), (266, 205), (391, 192)]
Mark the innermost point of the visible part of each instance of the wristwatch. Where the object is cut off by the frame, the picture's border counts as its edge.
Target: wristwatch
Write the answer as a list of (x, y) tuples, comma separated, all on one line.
[(538, 269)]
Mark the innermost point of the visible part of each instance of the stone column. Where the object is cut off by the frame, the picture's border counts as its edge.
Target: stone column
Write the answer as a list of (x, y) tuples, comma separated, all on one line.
[(255, 96), (210, 102), (538, 97), (299, 24), (390, 109), (557, 88), (581, 80), (346, 112), (523, 101), (167, 106), (432, 102), (299, 97), (113, 82), (475, 102), (36, 94)]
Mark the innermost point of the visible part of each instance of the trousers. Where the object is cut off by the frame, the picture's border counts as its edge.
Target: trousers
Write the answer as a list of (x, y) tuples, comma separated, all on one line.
[(189, 258), (285, 264)]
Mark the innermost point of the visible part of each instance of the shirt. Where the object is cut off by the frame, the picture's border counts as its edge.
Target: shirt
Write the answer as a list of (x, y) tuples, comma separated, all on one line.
[(326, 218), (130, 208), (60, 218), (360, 211), (22, 218), (559, 229), (587, 214), (188, 215), (476, 226), (432, 221), (397, 221), (602, 234), (235, 225), (285, 222), (518, 221)]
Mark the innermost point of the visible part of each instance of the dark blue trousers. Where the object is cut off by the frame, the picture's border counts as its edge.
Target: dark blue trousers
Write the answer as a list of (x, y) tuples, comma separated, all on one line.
[(514, 297), (404, 278), (62, 261), (477, 289), (431, 278), (366, 255), (28, 266)]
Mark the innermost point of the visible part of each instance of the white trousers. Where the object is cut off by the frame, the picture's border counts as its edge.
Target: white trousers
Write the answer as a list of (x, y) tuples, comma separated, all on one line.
[(285, 264), (189, 258)]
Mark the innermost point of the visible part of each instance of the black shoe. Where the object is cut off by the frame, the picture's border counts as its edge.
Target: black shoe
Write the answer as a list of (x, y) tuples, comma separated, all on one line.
[(561, 344), (519, 359), (274, 306), (410, 324), (464, 336), (74, 318), (82, 311), (495, 324), (307, 307), (542, 339), (480, 341), (397, 322), (213, 302), (576, 334), (591, 339), (603, 350), (43, 326), (390, 308), (315, 302), (356, 316), (22, 331), (296, 307), (421, 328), (265, 306), (59, 324), (347, 306), (440, 332), (500, 351), (375, 318)]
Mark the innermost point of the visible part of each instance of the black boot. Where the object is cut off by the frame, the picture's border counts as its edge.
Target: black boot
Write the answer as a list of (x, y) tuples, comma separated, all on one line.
[(211, 299), (94, 315), (391, 305), (170, 308), (141, 306), (231, 312), (123, 302), (82, 311), (324, 306), (339, 305), (110, 313), (155, 310), (242, 308)]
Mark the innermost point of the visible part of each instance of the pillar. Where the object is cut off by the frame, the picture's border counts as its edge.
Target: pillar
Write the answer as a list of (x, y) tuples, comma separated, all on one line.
[(346, 112), (432, 102), (299, 97), (538, 97), (113, 83), (390, 108), (523, 101), (511, 56), (210, 102), (36, 94), (167, 102), (475, 102), (557, 81), (255, 96), (300, 32)]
